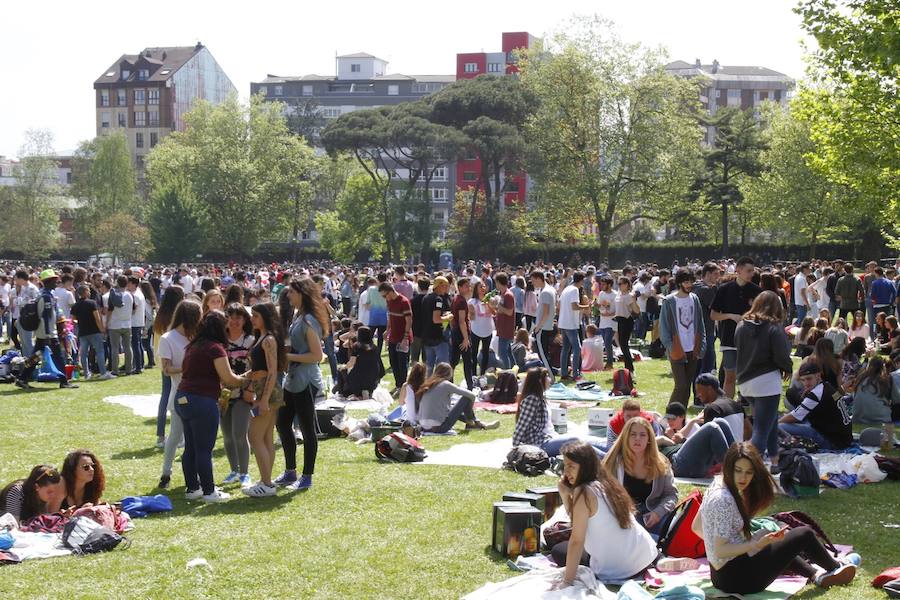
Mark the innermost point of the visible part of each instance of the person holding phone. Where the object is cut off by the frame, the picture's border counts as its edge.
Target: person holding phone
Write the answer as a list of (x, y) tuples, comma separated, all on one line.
[(741, 563)]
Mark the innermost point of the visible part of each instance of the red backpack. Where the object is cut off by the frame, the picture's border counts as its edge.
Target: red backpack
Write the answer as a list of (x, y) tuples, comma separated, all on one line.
[(676, 538), (623, 383)]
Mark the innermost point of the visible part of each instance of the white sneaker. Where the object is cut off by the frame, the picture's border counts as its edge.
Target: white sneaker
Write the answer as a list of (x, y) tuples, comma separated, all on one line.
[(108, 376), (193, 494), (217, 496), (260, 490)]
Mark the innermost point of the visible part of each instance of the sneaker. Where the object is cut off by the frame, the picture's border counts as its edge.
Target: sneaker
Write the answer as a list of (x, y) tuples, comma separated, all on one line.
[(24, 384), (286, 479), (217, 496), (479, 425), (232, 478), (107, 376), (245, 481), (260, 490), (68, 386), (193, 494), (160, 443), (302, 484), (843, 575), (853, 558), (164, 482)]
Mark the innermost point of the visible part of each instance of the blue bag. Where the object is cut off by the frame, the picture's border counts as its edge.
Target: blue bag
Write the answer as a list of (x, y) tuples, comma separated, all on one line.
[(48, 371), (141, 506)]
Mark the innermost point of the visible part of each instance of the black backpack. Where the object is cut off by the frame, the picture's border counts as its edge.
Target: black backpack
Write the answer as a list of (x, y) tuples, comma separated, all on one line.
[(115, 298), (506, 388), (656, 350), (85, 536), (527, 460), (29, 318), (795, 467)]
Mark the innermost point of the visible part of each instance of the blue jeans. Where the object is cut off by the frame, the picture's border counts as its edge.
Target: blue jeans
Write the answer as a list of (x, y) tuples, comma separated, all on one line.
[(571, 345), (200, 416), (436, 354), (507, 360), (708, 362), (26, 340), (163, 408), (800, 311), (461, 411), (807, 431), (607, 334), (765, 424), (328, 345), (702, 450), (870, 317), (85, 343), (137, 347), (553, 446)]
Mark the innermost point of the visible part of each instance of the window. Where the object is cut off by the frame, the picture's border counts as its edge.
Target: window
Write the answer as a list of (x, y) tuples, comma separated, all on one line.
[(140, 118), (154, 118), (512, 187), (138, 140), (153, 97), (263, 90), (440, 174), (471, 68), (143, 74), (734, 94), (438, 217), (355, 68), (104, 119), (278, 90), (126, 73), (495, 68), (439, 194), (426, 88), (511, 57), (120, 97), (140, 96), (154, 139), (718, 93), (470, 176), (123, 119), (104, 97), (393, 90), (307, 90), (331, 112)]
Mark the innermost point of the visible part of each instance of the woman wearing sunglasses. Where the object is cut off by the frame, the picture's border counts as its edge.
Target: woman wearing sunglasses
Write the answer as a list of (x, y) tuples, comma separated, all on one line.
[(42, 492), (84, 478)]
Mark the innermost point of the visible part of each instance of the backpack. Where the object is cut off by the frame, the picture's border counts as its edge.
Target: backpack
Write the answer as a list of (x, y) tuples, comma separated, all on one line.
[(85, 536), (890, 465), (527, 460), (796, 518), (656, 350), (795, 467), (325, 417), (399, 447), (115, 298), (505, 390), (623, 384), (676, 538), (29, 318)]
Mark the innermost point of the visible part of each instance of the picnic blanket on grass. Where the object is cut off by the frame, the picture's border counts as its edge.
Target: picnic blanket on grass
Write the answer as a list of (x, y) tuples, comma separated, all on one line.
[(143, 406), (510, 408)]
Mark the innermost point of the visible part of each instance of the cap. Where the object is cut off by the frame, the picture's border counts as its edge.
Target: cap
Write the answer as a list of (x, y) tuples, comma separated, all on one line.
[(47, 274), (808, 368), (708, 379), (675, 409), (871, 436)]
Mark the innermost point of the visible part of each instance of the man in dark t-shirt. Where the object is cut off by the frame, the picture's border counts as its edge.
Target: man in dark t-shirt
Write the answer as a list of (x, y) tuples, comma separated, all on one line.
[(436, 306), (731, 301), (421, 319), (86, 315), (822, 415), (399, 332), (460, 331), (718, 406)]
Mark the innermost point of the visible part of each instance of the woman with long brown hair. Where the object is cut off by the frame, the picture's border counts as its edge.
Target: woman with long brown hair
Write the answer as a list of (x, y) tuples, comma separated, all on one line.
[(763, 361), (303, 381), (437, 412), (84, 477), (42, 492), (171, 298), (741, 563), (605, 535)]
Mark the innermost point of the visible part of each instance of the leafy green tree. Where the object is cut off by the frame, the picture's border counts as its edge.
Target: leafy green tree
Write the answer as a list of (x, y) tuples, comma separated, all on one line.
[(614, 135), (121, 235), (174, 221), (304, 118), (349, 230)]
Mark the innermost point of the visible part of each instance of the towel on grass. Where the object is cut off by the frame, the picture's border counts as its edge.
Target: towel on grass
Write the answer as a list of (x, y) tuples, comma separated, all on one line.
[(538, 584)]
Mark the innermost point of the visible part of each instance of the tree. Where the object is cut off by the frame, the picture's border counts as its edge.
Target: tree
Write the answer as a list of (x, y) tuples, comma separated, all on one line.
[(614, 135), (735, 154), (30, 208), (349, 230), (486, 236), (174, 221), (247, 172), (122, 236), (103, 180), (304, 118)]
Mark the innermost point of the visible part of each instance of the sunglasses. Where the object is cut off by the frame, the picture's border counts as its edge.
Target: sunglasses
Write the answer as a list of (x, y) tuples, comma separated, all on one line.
[(51, 473), (88, 467)]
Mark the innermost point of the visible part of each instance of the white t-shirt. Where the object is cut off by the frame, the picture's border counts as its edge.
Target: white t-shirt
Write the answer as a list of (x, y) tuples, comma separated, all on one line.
[(120, 318), (138, 317), (4, 294), (64, 300), (639, 290), (364, 307), (483, 323), (186, 282), (607, 302), (568, 317), (172, 345), (767, 384), (799, 287), (684, 314)]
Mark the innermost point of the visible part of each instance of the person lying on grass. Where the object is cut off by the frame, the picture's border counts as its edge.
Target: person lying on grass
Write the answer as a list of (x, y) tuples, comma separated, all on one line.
[(605, 534), (741, 563), (693, 451), (42, 492)]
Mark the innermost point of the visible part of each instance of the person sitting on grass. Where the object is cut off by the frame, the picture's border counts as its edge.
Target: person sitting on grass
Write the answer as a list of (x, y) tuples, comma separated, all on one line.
[(821, 415), (693, 450), (85, 481), (874, 399), (631, 408), (592, 358), (521, 351), (741, 563), (533, 425), (635, 462), (408, 390), (605, 534), (42, 492), (434, 406), (364, 369)]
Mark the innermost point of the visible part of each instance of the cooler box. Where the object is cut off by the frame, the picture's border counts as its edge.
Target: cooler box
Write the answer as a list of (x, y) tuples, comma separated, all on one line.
[(552, 501), (559, 417), (517, 529), (598, 419)]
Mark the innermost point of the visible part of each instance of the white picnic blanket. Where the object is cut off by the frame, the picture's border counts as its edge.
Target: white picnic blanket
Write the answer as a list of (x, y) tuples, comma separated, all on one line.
[(142, 406), (537, 584)]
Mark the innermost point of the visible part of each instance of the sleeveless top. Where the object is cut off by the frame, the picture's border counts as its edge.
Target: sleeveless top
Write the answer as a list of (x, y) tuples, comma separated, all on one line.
[(258, 355)]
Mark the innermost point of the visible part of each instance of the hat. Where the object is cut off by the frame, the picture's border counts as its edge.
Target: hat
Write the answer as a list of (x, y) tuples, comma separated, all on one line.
[(47, 274), (708, 379), (870, 436), (675, 409), (808, 368)]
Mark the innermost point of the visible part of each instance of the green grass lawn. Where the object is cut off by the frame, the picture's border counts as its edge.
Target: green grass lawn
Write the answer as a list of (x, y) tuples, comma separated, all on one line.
[(364, 530)]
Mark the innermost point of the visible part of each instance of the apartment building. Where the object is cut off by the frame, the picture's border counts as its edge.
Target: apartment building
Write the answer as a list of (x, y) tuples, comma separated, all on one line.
[(147, 94)]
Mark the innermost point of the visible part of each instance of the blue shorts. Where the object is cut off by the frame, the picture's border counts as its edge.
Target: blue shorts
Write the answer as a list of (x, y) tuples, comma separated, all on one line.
[(729, 360)]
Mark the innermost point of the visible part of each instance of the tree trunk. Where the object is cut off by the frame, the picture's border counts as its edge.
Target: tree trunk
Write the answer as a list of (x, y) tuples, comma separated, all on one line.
[(724, 227)]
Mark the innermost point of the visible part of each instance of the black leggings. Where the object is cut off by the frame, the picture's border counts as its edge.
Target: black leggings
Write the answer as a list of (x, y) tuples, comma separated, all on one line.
[(625, 326), (750, 574), (457, 354), (481, 349), (302, 404)]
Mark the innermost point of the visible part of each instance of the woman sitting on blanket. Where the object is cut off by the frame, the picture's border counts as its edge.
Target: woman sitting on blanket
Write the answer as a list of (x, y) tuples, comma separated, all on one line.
[(592, 358), (364, 369), (741, 563), (408, 390), (636, 463), (42, 492), (533, 426), (84, 479), (435, 408), (605, 535)]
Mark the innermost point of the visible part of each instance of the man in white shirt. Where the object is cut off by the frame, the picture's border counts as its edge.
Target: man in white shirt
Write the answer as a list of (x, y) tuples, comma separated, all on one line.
[(65, 296), (138, 321), (570, 308), (21, 294), (186, 281), (606, 324), (543, 322), (120, 304), (801, 300)]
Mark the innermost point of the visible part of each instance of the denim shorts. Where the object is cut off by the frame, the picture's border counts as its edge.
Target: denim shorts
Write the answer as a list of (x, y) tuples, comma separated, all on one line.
[(729, 360)]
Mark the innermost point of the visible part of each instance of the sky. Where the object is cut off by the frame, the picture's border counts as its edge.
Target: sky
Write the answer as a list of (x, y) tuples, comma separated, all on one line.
[(53, 51)]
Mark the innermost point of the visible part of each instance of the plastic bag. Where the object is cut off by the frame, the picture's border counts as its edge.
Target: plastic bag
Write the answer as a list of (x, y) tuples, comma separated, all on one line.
[(866, 469)]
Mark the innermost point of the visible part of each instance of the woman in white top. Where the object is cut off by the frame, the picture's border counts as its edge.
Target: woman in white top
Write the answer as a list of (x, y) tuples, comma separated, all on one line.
[(741, 563), (530, 305), (859, 329), (481, 320), (408, 391), (605, 535), (171, 353)]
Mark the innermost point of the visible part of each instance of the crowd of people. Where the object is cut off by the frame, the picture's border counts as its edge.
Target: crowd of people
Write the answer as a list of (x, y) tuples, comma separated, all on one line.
[(239, 349)]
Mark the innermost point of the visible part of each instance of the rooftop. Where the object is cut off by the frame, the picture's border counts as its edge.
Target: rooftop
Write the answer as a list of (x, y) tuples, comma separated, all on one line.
[(361, 55), (161, 62), (716, 70), (270, 79)]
